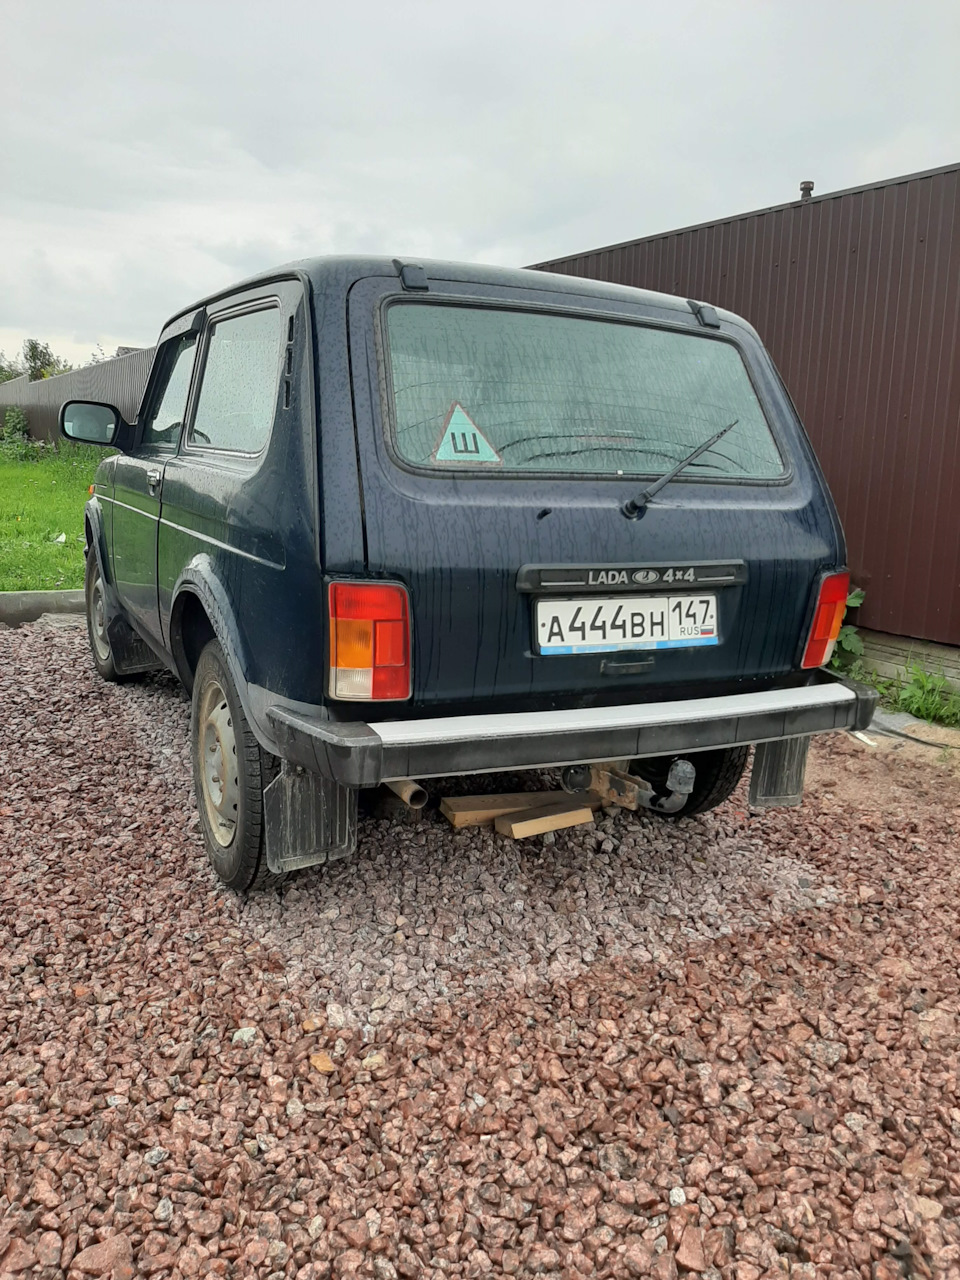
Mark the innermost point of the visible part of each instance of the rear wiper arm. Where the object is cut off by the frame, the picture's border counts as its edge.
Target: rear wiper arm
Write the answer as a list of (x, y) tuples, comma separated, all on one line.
[(635, 507)]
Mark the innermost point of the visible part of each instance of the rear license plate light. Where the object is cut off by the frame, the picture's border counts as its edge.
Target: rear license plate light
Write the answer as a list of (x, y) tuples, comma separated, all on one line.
[(369, 641)]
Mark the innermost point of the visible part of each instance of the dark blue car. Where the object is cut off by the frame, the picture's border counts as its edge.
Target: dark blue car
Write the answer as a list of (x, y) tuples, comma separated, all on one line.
[(392, 520)]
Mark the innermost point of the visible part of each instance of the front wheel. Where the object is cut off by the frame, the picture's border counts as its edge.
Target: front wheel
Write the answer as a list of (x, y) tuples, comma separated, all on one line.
[(717, 775), (96, 611), (230, 771)]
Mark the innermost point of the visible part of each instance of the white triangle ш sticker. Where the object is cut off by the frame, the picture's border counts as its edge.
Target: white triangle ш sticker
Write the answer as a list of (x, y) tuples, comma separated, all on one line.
[(463, 441)]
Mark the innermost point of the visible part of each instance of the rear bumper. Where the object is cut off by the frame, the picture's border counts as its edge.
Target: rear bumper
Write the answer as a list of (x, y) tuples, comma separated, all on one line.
[(363, 755)]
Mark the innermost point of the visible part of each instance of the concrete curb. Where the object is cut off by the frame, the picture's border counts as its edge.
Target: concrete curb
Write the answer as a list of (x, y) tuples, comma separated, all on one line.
[(17, 607)]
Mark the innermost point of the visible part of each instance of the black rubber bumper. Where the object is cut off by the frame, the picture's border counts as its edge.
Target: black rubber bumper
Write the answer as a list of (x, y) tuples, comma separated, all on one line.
[(363, 755)]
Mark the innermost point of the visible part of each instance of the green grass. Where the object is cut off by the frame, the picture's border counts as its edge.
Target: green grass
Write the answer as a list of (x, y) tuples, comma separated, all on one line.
[(42, 493), (925, 695)]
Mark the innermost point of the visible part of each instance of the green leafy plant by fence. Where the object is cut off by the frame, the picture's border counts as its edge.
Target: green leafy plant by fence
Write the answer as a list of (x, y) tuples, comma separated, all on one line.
[(926, 695), (849, 651), (15, 426)]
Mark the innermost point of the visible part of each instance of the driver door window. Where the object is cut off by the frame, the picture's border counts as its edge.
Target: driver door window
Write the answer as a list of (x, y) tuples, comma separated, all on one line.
[(163, 426)]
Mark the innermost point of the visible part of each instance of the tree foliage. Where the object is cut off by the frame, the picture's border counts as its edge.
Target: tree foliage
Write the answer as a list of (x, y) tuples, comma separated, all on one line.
[(36, 360), (40, 362)]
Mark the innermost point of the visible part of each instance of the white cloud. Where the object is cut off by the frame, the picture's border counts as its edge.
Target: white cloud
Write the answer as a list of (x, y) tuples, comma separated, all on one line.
[(152, 154)]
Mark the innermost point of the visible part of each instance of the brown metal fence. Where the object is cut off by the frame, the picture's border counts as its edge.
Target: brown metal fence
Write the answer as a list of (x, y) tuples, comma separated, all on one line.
[(857, 296), (119, 382)]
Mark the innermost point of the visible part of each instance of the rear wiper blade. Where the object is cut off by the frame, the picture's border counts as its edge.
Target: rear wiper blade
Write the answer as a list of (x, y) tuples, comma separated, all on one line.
[(635, 507)]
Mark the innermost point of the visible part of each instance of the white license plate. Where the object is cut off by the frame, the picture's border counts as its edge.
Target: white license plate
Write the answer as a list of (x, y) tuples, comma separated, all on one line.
[(604, 624)]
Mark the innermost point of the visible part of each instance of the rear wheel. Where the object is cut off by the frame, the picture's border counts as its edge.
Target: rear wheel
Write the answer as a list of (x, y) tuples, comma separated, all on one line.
[(230, 771), (717, 775), (96, 610)]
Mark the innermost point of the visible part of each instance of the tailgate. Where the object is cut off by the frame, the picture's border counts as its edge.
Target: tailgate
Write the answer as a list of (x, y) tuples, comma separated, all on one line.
[(497, 451)]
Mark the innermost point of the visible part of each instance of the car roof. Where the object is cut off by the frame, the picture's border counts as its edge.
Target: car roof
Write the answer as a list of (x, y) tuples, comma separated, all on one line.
[(337, 273)]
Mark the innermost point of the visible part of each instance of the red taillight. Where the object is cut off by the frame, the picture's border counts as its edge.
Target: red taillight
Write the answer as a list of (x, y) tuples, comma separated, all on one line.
[(369, 641), (827, 619)]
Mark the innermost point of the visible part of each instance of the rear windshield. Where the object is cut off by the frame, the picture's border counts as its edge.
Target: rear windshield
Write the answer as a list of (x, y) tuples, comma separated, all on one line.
[(481, 387)]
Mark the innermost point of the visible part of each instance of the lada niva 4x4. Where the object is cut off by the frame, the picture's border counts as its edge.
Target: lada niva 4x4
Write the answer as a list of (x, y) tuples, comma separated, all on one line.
[(390, 521)]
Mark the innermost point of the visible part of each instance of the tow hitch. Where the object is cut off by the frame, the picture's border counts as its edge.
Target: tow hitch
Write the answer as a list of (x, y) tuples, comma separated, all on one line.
[(614, 785)]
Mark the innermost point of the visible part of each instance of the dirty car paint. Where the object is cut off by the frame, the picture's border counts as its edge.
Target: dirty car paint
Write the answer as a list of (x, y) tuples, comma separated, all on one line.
[(256, 538)]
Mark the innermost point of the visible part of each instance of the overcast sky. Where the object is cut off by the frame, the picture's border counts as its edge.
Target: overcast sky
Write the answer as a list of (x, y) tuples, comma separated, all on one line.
[(152, 153)]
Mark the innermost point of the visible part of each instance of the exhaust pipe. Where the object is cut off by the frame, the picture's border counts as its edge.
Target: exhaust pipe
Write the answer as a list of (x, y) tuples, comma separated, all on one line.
[(410, 792)]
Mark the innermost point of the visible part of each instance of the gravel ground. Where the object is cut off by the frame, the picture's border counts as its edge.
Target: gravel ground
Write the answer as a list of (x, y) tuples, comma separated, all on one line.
[(726, 1046)]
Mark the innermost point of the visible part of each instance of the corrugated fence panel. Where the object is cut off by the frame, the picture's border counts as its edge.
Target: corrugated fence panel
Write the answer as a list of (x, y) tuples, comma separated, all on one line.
[(120, 381), (857, 296)]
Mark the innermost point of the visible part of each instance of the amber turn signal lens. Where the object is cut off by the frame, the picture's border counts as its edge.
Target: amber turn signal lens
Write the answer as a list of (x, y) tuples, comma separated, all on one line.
[(369, 641)]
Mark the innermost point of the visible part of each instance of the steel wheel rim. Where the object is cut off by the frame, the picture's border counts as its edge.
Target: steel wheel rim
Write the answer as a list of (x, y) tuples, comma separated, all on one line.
[(98, 620), (219, 768)]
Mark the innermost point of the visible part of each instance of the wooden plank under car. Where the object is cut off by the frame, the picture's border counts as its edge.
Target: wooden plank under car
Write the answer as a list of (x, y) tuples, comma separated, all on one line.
[(551, 817), (482, 811)]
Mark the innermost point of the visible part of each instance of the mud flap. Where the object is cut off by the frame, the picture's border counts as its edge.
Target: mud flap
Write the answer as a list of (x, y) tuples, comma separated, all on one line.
[(130, 654), (308, 820), (776, 780)]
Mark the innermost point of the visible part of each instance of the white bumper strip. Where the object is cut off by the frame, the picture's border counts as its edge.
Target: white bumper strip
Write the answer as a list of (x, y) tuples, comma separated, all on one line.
[(409, 733)]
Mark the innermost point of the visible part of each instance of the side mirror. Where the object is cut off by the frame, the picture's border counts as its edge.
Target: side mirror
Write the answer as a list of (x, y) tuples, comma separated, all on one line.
[(89, 423)]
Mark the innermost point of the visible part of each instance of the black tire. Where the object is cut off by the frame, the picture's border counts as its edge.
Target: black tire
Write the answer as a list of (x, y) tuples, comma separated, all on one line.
[(229, 799), (100, 649), (718, 773)]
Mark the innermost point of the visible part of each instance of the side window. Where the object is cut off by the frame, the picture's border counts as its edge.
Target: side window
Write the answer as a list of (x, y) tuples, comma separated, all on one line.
[(164, 423), (238, 391)]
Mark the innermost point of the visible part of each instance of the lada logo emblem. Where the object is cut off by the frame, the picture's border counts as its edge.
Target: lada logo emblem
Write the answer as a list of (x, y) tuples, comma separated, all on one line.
[(646, 576)]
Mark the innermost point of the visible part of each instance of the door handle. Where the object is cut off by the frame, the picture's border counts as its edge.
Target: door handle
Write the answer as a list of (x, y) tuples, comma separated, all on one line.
[(153, 478)]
